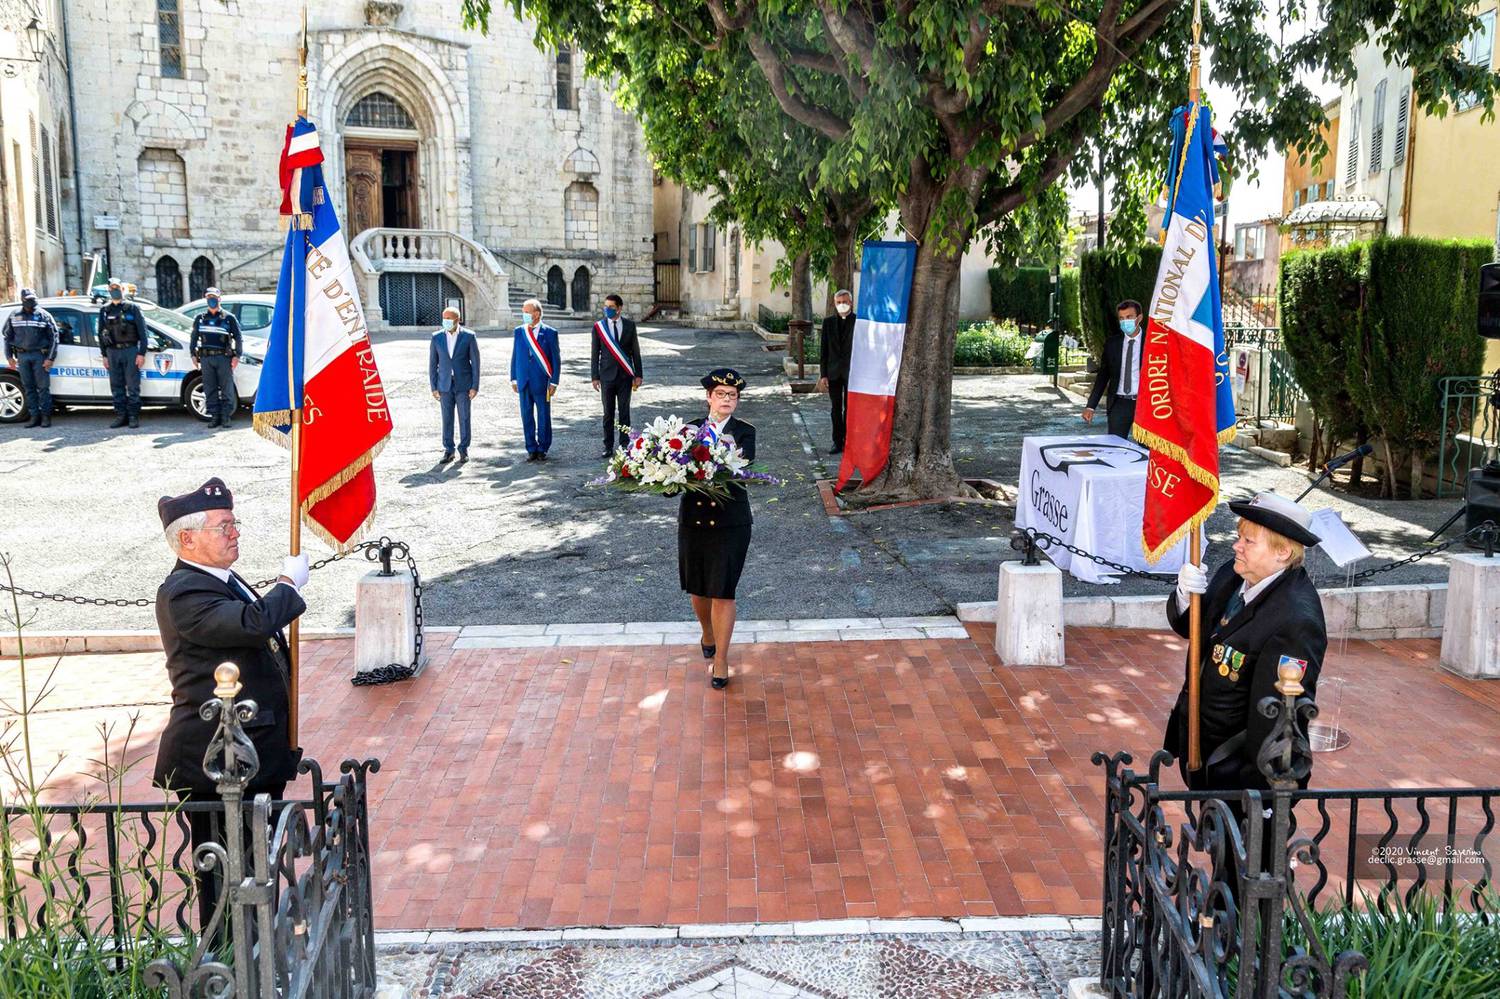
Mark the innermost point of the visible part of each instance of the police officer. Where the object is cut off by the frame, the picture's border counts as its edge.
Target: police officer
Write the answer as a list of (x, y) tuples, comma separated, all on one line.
[(31, 346), (216, 345), (122, 343)]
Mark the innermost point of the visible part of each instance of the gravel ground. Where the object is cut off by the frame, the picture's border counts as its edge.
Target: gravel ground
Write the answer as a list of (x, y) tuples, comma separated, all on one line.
[(503, 541)]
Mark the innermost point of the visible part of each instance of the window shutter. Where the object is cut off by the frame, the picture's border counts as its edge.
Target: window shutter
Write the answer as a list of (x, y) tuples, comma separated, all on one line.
[(1351, 162), (49, 179), (692, 249), (1377, 128), (1403, 125), (710, 245)]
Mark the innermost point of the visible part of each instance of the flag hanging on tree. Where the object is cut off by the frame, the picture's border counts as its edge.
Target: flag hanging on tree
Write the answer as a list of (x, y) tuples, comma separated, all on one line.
[(886, 270), (1185, 408), (319, 354)]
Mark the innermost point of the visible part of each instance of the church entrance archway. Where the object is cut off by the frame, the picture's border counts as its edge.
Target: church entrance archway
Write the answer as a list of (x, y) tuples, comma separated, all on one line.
[(557, 288), (381, 140)]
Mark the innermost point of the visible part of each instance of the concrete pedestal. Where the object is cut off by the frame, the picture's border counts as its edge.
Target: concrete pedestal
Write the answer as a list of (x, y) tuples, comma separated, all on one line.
[(1471, 620), (1029, 615), (385, 620)]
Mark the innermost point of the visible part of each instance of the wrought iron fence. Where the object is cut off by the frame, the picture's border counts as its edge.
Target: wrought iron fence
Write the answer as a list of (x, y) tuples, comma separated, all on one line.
[(1271, 382), (1200, 887), (1251, 304), (1471, 427), (292, 912)]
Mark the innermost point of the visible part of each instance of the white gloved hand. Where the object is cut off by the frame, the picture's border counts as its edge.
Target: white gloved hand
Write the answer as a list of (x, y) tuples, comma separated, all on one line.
[(1190, 579), (295, 568)]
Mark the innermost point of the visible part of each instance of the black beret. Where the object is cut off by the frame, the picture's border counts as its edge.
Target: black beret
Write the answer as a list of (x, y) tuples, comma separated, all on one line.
[(724, 376), (212, 495)]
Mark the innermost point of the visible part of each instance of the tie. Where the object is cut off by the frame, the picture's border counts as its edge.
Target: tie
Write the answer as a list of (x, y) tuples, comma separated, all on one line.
[(242, 589), (616, 325), (1127, 374), (1236, 604)]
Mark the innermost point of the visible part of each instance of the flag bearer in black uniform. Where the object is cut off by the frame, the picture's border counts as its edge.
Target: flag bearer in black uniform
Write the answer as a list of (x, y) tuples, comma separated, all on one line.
[(216, 346), (207, 615), (122, 344), (30, 348), (1259, 612), (713, 537)]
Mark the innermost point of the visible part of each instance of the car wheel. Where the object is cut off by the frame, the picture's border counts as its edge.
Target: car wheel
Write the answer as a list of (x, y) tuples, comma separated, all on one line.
[(12, 399), (193, 399)]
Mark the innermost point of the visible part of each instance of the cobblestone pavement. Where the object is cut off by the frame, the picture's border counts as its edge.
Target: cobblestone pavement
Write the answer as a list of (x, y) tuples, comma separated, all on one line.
[(558, 787), (1007, 965), (500, 541)]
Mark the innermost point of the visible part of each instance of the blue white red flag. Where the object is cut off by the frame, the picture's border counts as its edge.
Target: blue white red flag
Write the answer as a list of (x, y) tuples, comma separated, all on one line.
[(875, 361), (319, 357), (1185, 408)]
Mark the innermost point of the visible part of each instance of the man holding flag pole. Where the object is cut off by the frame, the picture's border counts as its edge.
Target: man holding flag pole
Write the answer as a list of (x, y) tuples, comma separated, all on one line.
[(320, 393)]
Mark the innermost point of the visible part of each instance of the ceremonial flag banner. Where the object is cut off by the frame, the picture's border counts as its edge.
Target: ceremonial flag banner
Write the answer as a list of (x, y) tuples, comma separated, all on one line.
[(1185, 408), (875, 362), (319, 353)]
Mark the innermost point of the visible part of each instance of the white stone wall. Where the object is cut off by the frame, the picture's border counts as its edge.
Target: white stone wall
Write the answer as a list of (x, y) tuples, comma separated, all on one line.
[(494, 159), (161, 191)]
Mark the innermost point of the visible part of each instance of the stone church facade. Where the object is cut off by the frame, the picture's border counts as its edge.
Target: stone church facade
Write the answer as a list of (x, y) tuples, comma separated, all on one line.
[(460, 163)]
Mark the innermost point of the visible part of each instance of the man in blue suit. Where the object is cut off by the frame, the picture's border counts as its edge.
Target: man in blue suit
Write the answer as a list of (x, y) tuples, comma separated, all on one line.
[(535, 365), (453, 373)]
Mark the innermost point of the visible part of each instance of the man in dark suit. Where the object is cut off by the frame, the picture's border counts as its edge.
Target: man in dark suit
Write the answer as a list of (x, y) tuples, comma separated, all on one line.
[(453, 375), (207, 615), (615, 367), (1260, 612), (1119, 376), (835, 345)]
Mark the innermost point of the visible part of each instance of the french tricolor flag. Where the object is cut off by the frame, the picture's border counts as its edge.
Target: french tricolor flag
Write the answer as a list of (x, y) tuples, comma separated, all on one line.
[(319, 357), (875, 364)]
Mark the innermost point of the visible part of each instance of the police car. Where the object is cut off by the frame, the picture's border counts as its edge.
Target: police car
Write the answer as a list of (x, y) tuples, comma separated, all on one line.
[(80, 378), (253, 310)]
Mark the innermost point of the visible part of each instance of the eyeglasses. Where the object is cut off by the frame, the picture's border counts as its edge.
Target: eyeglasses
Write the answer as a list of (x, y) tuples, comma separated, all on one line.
[(724, 394), (237, 526)]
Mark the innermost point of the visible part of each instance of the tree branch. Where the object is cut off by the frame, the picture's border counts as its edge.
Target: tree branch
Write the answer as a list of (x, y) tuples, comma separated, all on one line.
[(810, 115), (709, 44), (1013, 196)]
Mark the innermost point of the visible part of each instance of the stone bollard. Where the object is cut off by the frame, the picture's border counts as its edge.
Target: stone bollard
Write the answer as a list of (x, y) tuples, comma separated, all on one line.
[(1029, 615), (385, 620), (1471, 619)]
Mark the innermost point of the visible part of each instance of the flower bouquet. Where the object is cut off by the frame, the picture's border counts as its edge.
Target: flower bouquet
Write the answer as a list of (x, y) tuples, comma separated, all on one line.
[(669, 456)]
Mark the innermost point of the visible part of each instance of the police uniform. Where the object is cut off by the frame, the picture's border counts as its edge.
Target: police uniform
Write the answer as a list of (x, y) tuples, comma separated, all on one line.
[(31, 345), (713, 536), (122, 340), (215, 344), (1244, 644)]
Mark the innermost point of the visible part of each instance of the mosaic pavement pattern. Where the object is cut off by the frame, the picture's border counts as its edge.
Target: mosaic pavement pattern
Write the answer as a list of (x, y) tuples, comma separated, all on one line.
[(1013, 965)]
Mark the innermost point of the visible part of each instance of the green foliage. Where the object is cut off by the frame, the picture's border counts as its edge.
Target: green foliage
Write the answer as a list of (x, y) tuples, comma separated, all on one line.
[(1320, 294), (990, 345), (1072, 318), (1414, 948), (1021, 293), (1106, 278)]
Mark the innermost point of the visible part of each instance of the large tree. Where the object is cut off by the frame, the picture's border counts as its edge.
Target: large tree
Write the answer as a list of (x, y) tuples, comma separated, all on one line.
[(964, 111)]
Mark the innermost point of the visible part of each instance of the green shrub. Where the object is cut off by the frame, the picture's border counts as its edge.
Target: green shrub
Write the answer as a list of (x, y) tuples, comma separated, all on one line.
[(1068, 284), (1021, 293), (1320, 293), (990, 345), (1107, 277)]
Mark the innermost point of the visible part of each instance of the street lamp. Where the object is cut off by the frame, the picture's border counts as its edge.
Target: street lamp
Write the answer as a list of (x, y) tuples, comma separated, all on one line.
[(34, 39)]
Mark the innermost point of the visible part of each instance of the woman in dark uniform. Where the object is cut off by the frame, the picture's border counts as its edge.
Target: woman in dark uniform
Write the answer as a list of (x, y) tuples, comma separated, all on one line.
[(1259, 612), (712, 535)]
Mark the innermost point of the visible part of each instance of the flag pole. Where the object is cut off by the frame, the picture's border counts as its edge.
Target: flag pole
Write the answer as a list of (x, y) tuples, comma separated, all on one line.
[(1195, 604), (295, 401)]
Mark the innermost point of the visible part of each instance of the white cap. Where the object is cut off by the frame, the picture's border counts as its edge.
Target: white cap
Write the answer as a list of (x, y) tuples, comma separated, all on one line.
[(210, 291)]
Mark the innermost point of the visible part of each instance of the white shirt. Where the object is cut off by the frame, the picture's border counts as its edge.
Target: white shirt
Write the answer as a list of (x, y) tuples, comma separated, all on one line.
[(225, 576), (452, 339), (1130, 378)]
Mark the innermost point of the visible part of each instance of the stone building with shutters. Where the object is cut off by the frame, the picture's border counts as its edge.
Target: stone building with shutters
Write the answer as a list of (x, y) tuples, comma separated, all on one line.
[(465, 167)]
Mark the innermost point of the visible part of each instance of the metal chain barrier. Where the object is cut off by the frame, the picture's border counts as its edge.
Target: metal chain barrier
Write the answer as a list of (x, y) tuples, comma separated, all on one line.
[(381, 551)]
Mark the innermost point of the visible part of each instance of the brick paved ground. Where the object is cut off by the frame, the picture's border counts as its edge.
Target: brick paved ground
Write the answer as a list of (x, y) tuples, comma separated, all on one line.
[(561, 786)]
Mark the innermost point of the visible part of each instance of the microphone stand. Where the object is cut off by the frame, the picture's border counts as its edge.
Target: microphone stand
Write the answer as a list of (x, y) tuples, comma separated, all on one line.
[(1448, 523)]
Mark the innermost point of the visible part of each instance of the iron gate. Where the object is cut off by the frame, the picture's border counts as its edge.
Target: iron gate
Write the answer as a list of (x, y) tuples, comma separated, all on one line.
[(668, 282), (417, 299)]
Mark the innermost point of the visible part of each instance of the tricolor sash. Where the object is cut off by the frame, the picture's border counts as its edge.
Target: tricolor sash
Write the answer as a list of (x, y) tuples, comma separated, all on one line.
[(614, 346), (541, 355)]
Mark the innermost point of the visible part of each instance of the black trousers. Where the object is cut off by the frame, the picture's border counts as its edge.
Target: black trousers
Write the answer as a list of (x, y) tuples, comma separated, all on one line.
[(1121, 417), (838, 401), (206, 827), (616, 396)]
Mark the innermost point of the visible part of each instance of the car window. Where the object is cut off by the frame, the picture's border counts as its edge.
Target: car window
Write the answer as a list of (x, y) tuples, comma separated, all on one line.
[(75, 327), (160, 340), (174, 321), (253, 315), (195, 311)]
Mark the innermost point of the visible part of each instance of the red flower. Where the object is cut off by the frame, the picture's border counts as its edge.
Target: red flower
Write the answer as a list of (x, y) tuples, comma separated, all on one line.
[(624, 471), (675, 444), (701, 453), (640, 442), (700, 474)]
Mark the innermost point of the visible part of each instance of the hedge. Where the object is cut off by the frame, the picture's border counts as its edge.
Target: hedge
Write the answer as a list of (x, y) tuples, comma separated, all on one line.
[(1021, 294), (1106, 278), (1072, 322), (990, 345), (1319, 291)]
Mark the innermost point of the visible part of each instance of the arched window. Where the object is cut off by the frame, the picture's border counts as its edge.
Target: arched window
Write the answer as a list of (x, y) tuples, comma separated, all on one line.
[(581, 290), (581, 216), (566, 99), (380, 110), (200, 278), (557, 288), (168, 283)]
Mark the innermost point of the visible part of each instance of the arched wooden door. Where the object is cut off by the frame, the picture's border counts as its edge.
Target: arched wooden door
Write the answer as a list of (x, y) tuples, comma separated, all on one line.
[(581, 290), (557, 288)]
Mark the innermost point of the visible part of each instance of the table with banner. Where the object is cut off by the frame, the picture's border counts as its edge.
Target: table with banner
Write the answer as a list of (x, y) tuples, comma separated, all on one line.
[(1090, 492)]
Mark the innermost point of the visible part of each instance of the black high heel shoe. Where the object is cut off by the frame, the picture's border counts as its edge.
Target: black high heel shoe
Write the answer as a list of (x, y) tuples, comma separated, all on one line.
[(709, 651), (719, 682)]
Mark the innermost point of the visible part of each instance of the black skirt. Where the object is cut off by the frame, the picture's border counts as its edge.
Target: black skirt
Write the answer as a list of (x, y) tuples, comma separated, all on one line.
[(710, 560)]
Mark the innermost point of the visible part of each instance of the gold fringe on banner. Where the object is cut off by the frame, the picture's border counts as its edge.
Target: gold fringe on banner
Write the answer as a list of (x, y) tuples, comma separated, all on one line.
[(269, 425)]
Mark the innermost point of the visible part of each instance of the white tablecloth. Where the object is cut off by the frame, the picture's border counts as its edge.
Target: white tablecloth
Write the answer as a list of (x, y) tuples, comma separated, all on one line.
[(1090, 491)]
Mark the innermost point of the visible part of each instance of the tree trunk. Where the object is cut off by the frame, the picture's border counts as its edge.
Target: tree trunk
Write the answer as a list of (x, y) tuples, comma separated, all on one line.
[(841, 272), (801, 286), (1357, 470), (1416, 473), (1388, 487), (1315, 446)]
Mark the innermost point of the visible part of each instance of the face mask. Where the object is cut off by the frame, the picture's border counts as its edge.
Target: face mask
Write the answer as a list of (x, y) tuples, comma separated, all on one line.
[(28, 307), (843, 308), (610, 313), (115, 295), (451, 325), (213, 303), (1127, 326), (531, 319)]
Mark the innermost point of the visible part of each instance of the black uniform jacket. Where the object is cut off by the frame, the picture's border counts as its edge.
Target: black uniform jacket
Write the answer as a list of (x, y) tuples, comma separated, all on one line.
[(1107, 381), (203, 623), (603, 367), (835, 346), (1286, 619), (697, 510)]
